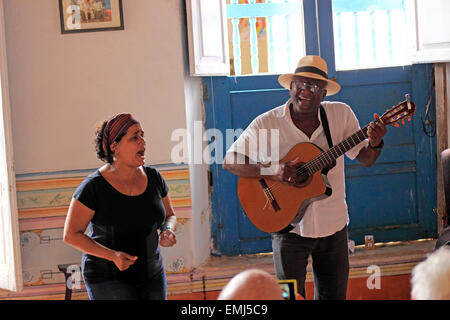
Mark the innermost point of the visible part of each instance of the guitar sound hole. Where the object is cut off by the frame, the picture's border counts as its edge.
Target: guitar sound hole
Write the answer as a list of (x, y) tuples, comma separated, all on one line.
[(302, 178)]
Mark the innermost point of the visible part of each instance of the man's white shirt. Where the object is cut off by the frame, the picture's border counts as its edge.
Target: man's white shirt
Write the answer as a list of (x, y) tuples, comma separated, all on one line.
[(278, 135)]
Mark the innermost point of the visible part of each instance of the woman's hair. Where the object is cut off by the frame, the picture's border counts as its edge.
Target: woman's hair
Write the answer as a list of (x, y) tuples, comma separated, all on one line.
[(98, 141)]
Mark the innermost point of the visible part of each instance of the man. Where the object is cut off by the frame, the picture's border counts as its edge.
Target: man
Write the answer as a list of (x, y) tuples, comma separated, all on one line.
[(322, 232)]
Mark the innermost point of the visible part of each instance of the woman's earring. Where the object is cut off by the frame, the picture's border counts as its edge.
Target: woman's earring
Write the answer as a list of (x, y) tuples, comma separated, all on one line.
[(112, 147)]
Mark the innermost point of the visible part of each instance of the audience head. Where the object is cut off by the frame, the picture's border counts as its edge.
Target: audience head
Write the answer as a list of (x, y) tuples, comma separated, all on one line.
[(444, 238), (431, 278), (252, 284)]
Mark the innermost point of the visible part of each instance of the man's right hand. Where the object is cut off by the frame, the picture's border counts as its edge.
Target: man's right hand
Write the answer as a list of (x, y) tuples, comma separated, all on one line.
[(287, 173), (284, 172)]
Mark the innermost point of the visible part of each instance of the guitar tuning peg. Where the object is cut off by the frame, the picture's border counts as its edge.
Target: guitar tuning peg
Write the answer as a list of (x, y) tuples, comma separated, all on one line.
[(409, 119), (403, 121), (396, 125)]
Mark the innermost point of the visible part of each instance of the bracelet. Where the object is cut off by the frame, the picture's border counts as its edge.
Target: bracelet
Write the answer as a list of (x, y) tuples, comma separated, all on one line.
[(166, 227), (379, 146)]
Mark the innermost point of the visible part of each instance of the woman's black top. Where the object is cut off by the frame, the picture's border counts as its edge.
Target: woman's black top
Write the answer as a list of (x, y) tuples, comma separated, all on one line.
[(124, 223)]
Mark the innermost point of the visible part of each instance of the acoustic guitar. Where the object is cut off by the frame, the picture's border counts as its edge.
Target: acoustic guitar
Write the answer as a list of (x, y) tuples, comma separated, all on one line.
[(273, 206)]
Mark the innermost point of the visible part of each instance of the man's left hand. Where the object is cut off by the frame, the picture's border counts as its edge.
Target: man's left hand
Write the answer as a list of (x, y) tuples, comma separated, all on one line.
[(376, 131)]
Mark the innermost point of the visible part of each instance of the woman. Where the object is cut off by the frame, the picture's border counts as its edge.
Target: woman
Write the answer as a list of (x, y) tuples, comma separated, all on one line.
[(124, 203)]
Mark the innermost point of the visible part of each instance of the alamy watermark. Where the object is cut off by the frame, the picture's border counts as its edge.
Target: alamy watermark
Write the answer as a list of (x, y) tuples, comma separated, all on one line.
[(264, 145), (374, 280), (74, 19), (73, 281)]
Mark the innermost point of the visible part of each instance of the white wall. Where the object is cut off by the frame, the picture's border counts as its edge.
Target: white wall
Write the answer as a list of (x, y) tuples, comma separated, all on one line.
[(62, 85)]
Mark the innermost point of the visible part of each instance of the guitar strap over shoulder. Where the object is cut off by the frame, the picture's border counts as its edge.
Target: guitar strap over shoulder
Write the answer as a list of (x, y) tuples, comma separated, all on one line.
[(326, 128)]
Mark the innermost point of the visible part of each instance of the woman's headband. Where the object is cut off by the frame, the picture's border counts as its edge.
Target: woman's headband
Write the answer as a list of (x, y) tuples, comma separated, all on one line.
[(115, 127)]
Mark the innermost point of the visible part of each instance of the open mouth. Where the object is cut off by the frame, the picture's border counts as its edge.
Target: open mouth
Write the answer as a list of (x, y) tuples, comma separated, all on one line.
[(141, 153), (304, 98)]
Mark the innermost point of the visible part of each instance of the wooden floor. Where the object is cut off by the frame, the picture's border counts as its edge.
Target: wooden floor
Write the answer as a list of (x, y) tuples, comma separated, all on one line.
[(394, 260)]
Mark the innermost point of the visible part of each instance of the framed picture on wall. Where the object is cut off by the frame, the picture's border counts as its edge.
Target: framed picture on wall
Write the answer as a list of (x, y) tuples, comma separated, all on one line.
[(90, 15)]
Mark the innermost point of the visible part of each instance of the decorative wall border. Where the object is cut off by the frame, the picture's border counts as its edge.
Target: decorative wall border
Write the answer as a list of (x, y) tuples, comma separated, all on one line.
[(43, 200), (50, 197)]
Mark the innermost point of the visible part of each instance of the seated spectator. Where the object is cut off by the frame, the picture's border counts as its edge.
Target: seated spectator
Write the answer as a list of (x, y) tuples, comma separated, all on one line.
[(431, 278), (444, 238), (252, 284)]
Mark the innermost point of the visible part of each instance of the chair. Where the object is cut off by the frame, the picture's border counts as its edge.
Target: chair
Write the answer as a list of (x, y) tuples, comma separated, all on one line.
[(68, 270), (445, 159)]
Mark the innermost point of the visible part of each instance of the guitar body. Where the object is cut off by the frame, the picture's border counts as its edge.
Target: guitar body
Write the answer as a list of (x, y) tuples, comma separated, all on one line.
[(291, 200)]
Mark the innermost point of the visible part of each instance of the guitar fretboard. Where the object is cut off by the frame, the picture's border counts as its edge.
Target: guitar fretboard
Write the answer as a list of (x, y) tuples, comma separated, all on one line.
[(322, 161)]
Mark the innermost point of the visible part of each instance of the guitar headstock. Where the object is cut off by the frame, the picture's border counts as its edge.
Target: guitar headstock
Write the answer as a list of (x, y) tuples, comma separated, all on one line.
[(399, 112)]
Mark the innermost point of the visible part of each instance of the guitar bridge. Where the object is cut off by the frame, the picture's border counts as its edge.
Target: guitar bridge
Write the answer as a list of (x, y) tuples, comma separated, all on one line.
[(269, 195)]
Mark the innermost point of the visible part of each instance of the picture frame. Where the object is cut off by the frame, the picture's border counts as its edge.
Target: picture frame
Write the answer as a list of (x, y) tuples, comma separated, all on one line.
[(90, 15)]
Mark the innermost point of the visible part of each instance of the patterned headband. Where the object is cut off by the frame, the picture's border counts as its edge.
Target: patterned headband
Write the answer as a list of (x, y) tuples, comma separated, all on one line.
[(115, 127)]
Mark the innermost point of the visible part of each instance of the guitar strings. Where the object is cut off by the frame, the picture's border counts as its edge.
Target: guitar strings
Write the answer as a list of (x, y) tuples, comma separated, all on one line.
[(318, 162), (321, 160), (278, 185)]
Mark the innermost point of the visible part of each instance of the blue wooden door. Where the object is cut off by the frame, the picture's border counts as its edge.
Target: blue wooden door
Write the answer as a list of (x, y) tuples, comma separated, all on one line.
[(393, 200)]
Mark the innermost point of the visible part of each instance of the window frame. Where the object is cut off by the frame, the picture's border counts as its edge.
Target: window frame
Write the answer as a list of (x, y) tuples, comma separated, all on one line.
[(10, 254)]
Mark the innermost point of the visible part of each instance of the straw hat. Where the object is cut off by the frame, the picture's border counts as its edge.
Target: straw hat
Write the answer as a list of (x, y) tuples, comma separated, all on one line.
[(311, 67)]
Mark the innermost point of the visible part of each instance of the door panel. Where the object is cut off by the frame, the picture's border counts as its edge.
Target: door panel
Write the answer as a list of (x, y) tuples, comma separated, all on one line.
[(394, 206)]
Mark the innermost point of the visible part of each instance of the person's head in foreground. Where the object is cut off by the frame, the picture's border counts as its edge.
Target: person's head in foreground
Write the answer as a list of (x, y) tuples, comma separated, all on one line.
[(252, 284), (431, 278)]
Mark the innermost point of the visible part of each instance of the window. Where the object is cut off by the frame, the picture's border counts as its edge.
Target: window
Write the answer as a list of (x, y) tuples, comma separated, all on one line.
[(264, 36), (371, 33), (367, 34)]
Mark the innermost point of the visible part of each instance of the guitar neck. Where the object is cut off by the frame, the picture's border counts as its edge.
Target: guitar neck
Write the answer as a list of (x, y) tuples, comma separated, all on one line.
[(322, 161)]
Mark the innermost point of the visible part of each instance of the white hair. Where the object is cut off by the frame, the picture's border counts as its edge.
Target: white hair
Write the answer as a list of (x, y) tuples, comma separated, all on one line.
[(431, 278)]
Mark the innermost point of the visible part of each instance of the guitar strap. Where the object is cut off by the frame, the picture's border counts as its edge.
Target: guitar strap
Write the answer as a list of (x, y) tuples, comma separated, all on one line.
[(326, 128)]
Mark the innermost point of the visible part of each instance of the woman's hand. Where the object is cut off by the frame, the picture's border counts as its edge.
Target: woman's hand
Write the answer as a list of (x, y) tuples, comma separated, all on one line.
[(167, 238), (123, 260)]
